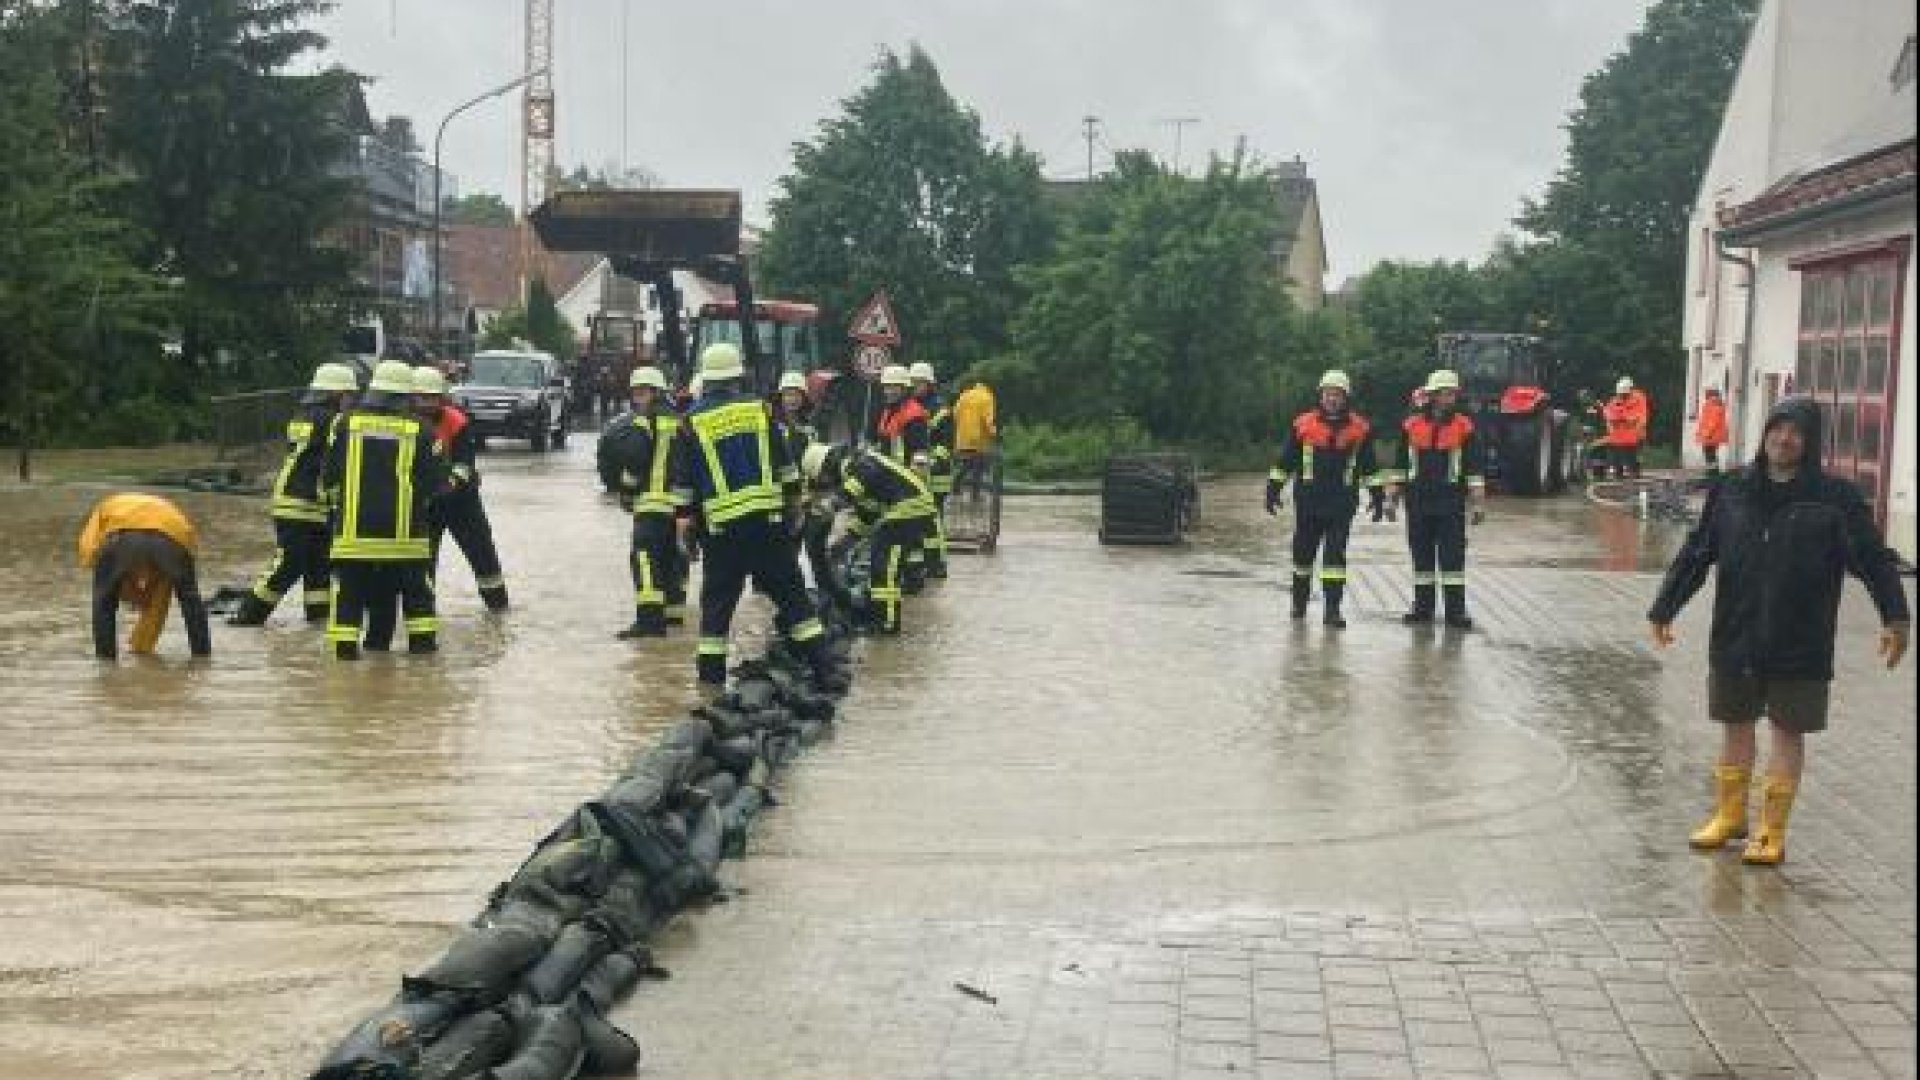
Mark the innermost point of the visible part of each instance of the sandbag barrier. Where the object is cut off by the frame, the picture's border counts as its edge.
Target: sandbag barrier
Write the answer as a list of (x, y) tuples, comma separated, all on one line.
[(523, 992)]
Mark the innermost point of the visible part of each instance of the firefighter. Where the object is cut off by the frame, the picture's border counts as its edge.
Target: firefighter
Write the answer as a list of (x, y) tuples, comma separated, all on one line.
[(299, 512), (1328, 455), (733, 480), (902, 434), (892, 507), (793, 415), (381, 469), (1711, 429), (140, 548), (458, 509), (659, 568), (926, 390), (1438, 475), (1625, 414)]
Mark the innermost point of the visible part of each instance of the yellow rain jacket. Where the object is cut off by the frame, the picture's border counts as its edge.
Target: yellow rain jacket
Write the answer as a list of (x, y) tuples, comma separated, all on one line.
[(973, 423), (146, 589)]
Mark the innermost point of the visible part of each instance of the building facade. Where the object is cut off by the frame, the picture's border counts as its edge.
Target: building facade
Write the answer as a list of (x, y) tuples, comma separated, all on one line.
[(1800, 269)]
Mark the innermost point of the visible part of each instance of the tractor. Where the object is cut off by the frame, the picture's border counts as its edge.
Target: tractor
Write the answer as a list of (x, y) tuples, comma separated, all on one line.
[(1533, 441)]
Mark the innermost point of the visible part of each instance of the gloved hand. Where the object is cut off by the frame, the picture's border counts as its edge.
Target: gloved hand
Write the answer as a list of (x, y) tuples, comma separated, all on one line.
[(1376, 504), (1275, 500), (1477, 517)]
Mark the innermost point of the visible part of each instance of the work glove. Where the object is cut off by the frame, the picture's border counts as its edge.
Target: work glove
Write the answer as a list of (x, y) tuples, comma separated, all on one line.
[(1275, 500), (1376, 504), (1477, 517)]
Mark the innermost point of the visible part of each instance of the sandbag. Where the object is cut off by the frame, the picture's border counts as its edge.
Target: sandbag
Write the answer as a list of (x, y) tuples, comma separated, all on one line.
[(720, 787), (482, 962), (703, 842), (812, 731), (656, 846), (610, 980), (624, 914), (609, 1050), (755, 693), (526, 914), (567, 874), (553, 979), (549, 1047), (725, 721), (736, 755), (736, 818), (473, 1044), (387, 1043)]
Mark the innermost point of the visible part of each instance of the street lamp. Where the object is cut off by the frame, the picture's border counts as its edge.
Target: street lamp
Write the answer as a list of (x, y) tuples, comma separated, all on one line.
[(438, 208)]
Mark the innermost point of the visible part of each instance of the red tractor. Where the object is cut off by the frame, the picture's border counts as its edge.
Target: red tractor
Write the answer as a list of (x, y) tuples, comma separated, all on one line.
[(1534, 444)]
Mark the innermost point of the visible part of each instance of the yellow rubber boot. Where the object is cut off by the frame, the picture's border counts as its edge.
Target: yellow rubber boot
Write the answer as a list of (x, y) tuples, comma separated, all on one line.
[(1769, 846), (1729, 820)]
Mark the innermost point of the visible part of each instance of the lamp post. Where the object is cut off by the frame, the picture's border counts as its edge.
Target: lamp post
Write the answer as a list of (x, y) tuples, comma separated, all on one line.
[(438, 207)]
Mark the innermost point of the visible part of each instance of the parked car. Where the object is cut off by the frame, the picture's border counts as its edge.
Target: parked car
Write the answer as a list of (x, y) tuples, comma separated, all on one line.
[(516, 394)]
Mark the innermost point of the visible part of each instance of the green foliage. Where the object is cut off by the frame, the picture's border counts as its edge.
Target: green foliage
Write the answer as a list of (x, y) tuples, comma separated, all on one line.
[(540, 324), (1048, 452), (608, 176), (901, 191), (479, 208)]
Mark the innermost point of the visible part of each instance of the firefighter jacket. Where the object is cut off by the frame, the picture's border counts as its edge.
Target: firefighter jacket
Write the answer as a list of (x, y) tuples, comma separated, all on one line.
[(881, 490), (1626, 419), (904, 435), (939, 443), (1711, 429), (1783, 551), (974, 426), (1440, 460), (727, 467), (454, 441), (797, 432), (1329, 458), (644, 454), (382, 468), (296, 489)]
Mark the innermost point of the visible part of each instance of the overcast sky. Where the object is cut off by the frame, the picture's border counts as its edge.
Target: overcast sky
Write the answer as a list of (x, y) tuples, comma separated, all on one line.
[(1424, 121)]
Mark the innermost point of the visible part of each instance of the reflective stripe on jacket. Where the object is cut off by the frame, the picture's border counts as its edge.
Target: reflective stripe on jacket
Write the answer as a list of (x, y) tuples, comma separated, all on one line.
[(727, 466), (381, 470)]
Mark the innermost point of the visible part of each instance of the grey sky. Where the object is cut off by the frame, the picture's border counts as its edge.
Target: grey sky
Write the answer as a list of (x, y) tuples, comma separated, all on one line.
[(1424, 121)]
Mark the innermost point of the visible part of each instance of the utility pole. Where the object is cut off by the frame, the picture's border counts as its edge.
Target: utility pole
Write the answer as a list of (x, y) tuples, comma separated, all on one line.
[(1179, 124), (1092, 125)]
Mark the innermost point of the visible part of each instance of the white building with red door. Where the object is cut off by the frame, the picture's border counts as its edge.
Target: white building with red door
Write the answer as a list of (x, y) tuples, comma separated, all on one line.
[(1800, 273)]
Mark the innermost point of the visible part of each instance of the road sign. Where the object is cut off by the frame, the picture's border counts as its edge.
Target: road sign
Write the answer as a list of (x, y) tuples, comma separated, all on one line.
[(870, 360), (874, 323)]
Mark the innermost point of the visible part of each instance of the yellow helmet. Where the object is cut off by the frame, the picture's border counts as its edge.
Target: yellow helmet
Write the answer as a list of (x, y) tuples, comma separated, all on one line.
[(895, 375), (647, 376), (1337, 380), (1443, 379), (721, 361), (392, 377), (334, 379)]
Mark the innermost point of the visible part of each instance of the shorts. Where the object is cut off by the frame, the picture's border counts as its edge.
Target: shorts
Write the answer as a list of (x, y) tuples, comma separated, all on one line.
[(1795, 704)]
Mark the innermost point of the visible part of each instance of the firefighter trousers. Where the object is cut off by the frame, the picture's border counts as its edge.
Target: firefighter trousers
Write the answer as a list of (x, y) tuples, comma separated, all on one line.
[(761, 550), (1439, 546), (659, 570), (300, 555), (465, 516), (1325, 536), (893, 542), (364, 593)]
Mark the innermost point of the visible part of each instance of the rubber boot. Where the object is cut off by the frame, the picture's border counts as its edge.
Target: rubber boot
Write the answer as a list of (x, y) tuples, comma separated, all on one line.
[(346, 650), (1302, 593), (1333, 592), (253, 611), (1729, 820), (1422, 606), (1768, 846), (422, 644), (1457, 617), (495, 598), (315, 612), (647, 622), (676, 615), (829, 677)]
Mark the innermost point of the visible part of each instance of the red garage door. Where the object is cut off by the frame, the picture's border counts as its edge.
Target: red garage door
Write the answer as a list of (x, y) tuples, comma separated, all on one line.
[(1849, 359)]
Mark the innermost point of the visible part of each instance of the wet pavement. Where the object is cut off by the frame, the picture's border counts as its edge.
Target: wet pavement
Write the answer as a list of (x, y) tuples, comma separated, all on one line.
[(1167, 832)]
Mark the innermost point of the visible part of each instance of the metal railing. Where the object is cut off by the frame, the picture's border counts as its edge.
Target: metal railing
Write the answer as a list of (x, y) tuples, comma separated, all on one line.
[(249, 428)]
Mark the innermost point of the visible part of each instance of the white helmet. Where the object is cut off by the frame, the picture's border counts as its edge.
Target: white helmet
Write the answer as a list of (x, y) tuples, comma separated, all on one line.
[(1337, 380), (334, 379), (921, 372), (1443, 379), (895, 375), (647, 376), (813, 460), (695, 385), (793, 380), (1625, 385), (429, 380), (722, 360), (392, 377)]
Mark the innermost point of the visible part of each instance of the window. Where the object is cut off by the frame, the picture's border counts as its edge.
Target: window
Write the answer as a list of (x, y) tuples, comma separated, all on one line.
[(1849, 335)]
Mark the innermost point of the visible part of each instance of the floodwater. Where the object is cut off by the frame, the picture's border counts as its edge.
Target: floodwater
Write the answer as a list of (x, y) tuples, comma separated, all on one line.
[(213, 868)]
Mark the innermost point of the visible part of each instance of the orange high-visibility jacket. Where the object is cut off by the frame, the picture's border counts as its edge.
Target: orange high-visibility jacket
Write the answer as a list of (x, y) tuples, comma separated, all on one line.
[(1711, 430), (1626, 417)]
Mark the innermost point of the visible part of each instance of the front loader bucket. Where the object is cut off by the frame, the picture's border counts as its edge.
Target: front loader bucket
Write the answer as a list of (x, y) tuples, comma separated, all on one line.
[(653, 226)]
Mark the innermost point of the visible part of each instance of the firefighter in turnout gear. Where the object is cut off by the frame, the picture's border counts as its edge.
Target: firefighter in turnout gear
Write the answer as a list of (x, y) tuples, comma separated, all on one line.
[(299, 510), (1328, 457), (1438, 475), (659, 567), (891, 506), (903, 434), (792, 415), (926, 391), (733, 478), (381, 470), (458, 509)]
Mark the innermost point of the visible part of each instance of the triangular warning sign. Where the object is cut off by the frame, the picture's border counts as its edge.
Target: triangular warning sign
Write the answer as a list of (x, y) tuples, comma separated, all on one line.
[(874, 324)]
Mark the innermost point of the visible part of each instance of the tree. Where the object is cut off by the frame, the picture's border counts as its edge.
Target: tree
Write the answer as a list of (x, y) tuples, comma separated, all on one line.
[(1613, 221), (539, 324), (67, 281), (479, 208), (607, 177), (1404, 307), (234, 165), (902, 191)]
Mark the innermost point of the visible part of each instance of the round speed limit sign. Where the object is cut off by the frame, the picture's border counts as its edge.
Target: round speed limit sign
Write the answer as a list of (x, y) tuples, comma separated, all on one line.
[(870, 360)]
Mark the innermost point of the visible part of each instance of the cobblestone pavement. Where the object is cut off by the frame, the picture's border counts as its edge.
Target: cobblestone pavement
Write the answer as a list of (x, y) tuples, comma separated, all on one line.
[(1106, 813)]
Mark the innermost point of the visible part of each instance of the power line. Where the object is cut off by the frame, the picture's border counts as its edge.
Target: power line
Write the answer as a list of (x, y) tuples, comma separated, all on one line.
[(1179, 124), (1092, 126)]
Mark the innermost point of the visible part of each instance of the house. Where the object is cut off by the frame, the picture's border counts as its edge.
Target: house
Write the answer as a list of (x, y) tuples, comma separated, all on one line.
[(389, 223), (481, 268), (1800, 266)]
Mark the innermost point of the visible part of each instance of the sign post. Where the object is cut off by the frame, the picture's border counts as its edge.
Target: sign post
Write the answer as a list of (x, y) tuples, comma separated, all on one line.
[(876, 334)]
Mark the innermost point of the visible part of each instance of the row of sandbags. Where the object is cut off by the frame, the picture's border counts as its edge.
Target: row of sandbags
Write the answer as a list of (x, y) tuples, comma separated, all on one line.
[(523, 992)]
